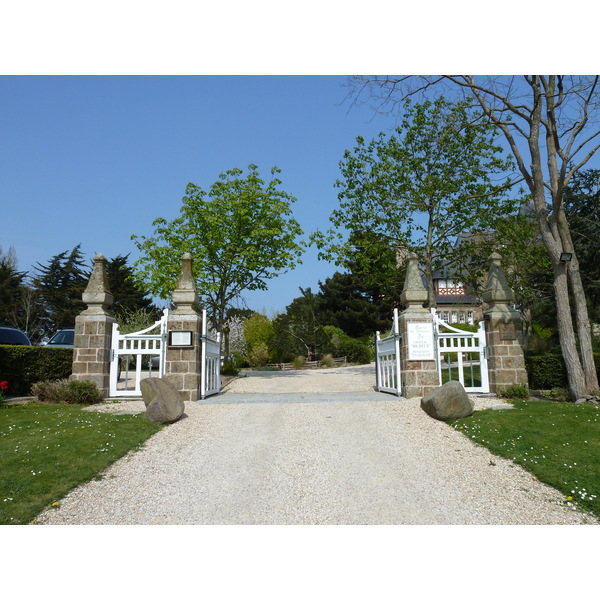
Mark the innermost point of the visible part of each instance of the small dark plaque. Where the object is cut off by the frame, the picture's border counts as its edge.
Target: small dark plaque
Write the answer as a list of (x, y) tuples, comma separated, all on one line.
[(508, 331)]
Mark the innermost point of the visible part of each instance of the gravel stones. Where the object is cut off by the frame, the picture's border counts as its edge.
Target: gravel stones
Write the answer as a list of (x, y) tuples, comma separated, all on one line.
[(334, 462)]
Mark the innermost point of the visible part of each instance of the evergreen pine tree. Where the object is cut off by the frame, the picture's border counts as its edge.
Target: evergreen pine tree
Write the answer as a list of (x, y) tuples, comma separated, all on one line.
[(128, 297), (61, 284)]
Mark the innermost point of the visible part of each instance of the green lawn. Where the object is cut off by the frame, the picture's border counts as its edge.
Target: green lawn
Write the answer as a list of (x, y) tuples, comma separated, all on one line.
[(558, 442), (47, 450)]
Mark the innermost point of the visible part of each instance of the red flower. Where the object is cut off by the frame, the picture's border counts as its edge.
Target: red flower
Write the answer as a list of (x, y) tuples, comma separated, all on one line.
[(3, 385)]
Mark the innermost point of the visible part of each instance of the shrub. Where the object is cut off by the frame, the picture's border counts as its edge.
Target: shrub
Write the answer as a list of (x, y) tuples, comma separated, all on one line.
[(240, 361), (356, 351), (559, 394), (229, 368), (335, 337), (298, 362), (23, 366), (327, 361), (517, 391), (259, 355), (67, 392)]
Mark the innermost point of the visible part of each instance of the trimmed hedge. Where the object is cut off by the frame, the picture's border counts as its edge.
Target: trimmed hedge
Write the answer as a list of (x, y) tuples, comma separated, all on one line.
[(547, 371), (22, 366)]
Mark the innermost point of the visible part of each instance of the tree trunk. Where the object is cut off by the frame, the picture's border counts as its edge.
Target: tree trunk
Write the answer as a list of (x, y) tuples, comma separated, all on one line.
[(566, 333), (584, 330), (552, 229), (431, 302)]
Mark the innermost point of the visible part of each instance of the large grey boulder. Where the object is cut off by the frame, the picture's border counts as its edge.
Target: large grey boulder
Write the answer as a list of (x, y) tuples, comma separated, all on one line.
[(164, 403), (449, 401)]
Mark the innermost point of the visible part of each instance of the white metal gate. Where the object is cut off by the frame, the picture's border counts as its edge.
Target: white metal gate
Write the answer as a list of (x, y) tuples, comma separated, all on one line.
[(387, 360), (462, 355), (135, 347), (210, 381)]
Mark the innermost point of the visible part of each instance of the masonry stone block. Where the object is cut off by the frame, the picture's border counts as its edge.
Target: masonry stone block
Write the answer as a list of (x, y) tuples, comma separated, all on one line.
[(79, 368), (93, 330), (507, 363)]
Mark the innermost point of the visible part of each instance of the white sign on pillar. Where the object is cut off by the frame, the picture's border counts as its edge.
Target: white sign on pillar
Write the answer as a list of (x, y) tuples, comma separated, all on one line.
[(420, 341)]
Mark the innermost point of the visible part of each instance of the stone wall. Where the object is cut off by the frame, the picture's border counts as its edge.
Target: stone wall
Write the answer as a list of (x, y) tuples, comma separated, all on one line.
[(93, 331), (93, 334), (91, 351), (419, 377), (506, 362), (183, 365)]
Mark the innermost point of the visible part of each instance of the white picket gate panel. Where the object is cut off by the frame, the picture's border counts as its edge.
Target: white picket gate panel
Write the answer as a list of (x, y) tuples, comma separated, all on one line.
[(138, 344), (210, 381), (387, 356), (471, 355)]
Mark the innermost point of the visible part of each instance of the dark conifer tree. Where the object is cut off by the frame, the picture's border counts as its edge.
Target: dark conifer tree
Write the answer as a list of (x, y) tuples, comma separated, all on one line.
[(61, 284), (128, 297)]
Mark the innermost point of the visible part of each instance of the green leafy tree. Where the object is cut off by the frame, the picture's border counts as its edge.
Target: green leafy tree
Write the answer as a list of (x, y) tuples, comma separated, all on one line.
[(258, 330), (419, 188), (241, 234), (61, 284), (550, 123)]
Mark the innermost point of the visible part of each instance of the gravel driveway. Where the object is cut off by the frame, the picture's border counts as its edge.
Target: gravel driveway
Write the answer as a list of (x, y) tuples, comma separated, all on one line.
[(330, 456)]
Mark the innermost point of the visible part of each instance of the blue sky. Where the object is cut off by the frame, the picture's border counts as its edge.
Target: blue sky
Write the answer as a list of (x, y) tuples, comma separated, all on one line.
[(92, 150), (95, 159), (92, 160)]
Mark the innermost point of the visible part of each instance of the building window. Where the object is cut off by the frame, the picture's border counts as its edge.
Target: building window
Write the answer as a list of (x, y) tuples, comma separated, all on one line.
[(454, 317), (449, 287), (445, 316), (461, 317), (470, 317)]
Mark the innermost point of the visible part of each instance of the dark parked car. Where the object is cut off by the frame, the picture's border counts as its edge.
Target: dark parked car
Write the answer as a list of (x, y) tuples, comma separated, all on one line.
[(13, 337), (62, 339)]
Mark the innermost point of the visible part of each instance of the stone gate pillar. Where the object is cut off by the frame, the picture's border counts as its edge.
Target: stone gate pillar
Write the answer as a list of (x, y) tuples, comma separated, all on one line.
[(417, 346), (184, 331), (93, 330), (506, 362)]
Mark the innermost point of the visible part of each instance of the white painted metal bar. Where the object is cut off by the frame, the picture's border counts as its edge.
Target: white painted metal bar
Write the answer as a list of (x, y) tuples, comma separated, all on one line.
[(460, 342), (210, 380), (137, 344), (387, 357)]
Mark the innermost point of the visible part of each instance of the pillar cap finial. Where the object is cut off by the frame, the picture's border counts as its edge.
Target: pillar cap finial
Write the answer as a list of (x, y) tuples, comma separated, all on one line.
[(97, 294), (414, 292), (185, 296)]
